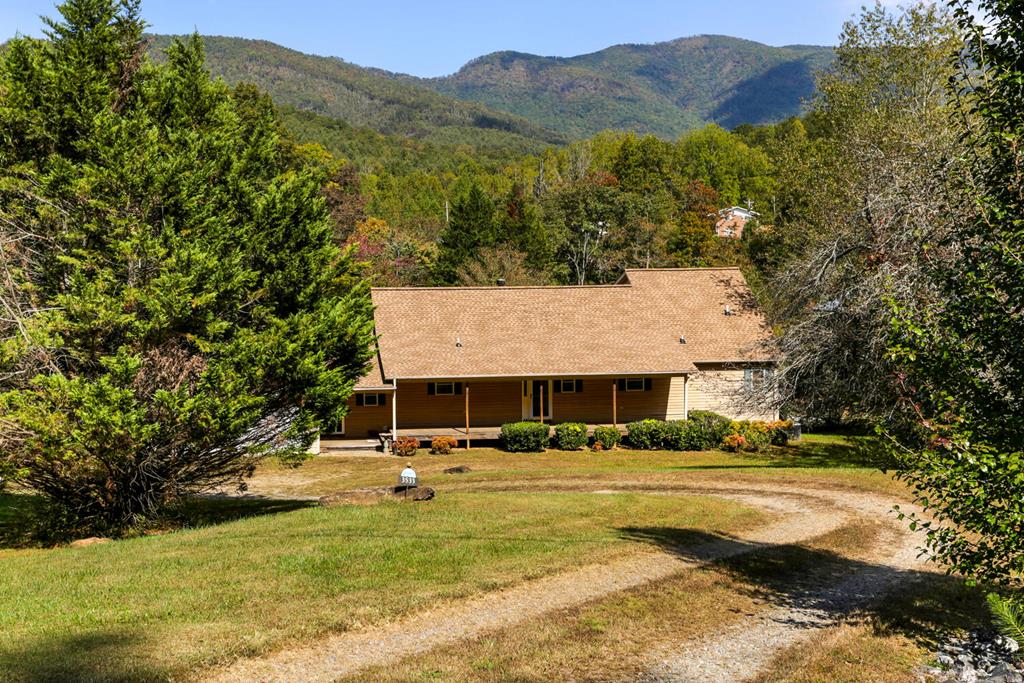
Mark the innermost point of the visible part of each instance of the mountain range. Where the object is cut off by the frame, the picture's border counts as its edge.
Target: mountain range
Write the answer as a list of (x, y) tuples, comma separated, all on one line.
[(523, 102)]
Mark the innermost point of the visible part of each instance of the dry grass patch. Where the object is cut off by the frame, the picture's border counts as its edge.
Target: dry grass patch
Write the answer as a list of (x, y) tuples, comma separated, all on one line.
[(888, 644), (612, 638)]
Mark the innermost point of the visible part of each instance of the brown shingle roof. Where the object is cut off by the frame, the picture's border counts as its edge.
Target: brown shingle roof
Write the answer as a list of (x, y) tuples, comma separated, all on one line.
[(632, 327), (374, 377)]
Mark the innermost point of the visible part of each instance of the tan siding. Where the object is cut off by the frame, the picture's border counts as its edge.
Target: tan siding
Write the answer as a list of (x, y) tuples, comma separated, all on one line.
[(367, 420), (490, 403), (639, 405), (719, 388), (594, 404), (676, 400)]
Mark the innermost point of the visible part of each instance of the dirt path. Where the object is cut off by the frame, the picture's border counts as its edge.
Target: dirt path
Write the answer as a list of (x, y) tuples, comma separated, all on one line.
[(805, 514), (747, 647)]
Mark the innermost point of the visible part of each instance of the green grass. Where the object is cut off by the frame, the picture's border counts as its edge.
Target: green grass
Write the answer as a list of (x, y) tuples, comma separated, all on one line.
[(831, 461), (158, 606)]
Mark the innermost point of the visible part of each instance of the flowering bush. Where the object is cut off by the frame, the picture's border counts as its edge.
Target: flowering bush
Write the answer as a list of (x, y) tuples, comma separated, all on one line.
[(442, 445), (734, 443), (571, 436), (405, 446)]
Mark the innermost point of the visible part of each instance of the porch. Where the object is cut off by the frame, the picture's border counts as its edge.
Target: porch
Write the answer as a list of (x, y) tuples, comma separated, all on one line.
[(476, 408)]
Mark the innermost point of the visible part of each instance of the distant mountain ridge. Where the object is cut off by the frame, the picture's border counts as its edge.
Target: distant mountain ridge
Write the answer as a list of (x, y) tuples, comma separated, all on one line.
[(523, 102), (662, 88), (364, 97)]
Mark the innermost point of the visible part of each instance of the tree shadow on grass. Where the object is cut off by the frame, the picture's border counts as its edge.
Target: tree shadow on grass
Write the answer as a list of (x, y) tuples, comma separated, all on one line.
[(87, 657), (201, 511), (22, 522), (850, 454), (819, 587)]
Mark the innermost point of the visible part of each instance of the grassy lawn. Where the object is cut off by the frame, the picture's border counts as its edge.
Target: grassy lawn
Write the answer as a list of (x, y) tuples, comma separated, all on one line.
[(154, 606), (828, 461), (249, 575)]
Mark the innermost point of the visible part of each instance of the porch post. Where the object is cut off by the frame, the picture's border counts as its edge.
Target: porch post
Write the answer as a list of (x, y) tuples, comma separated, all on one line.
[(686, 397), (467, 416), (615, 402), (542, 402), (394, 412)]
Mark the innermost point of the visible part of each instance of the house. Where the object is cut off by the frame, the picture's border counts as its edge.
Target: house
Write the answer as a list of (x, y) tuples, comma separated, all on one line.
[(658, 343), (733, 220)]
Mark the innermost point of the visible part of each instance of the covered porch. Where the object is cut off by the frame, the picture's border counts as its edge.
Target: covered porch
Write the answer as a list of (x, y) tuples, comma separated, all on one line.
[(475, 408)]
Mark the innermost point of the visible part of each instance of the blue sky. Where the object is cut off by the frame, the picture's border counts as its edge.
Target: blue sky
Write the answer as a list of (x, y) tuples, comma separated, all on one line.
[(435, 37)]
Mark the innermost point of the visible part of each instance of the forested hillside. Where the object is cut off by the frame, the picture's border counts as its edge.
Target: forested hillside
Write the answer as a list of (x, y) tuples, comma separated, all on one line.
[(522, 102), (364, 97), (665, 88)]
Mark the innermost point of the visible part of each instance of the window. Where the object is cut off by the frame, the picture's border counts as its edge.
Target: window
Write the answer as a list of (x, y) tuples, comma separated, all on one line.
[(754, 379), (444, 388), (370, 400), (568, 386), (636, 384)]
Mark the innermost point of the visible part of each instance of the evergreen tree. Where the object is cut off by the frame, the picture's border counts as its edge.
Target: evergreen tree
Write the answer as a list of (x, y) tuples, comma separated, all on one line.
[(471, 226), (175, 306)]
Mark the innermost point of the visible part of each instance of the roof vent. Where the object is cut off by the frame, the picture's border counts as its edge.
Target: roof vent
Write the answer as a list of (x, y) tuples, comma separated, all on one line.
[(501, 282), (682, 339), (728, 309), (458, 342)]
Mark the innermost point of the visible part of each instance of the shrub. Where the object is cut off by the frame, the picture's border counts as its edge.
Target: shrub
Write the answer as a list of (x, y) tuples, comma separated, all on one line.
[(405, 446), (520, 437), (734, 443), (442, 445), (646, 434), (571, 436), (756, 434), (607, 437), (679, 435), (779, 432), (706, 430)]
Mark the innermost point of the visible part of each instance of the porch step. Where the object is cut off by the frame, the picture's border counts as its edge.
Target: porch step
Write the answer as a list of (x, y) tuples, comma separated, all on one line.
[(335, 446)]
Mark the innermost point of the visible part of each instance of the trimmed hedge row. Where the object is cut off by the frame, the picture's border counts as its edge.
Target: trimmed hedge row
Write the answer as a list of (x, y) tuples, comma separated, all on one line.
[(705, 431)]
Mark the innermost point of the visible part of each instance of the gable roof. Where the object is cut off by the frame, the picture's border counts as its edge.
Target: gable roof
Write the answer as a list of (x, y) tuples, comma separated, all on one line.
[(631, 327)]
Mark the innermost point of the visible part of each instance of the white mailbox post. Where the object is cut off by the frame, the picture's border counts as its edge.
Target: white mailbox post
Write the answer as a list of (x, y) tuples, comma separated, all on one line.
[(407, 479)]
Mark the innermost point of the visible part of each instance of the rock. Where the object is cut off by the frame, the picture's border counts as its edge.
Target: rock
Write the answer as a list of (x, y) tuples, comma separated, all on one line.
[(92, 540), (943, 659), (967, 675), (371, 496), (458, 469), (1004, 644), (418, 493), (1004, 671)]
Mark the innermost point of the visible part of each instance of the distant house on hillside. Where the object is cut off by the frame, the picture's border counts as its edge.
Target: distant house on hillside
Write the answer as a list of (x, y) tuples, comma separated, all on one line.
[(462, 361), (732, 220)]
